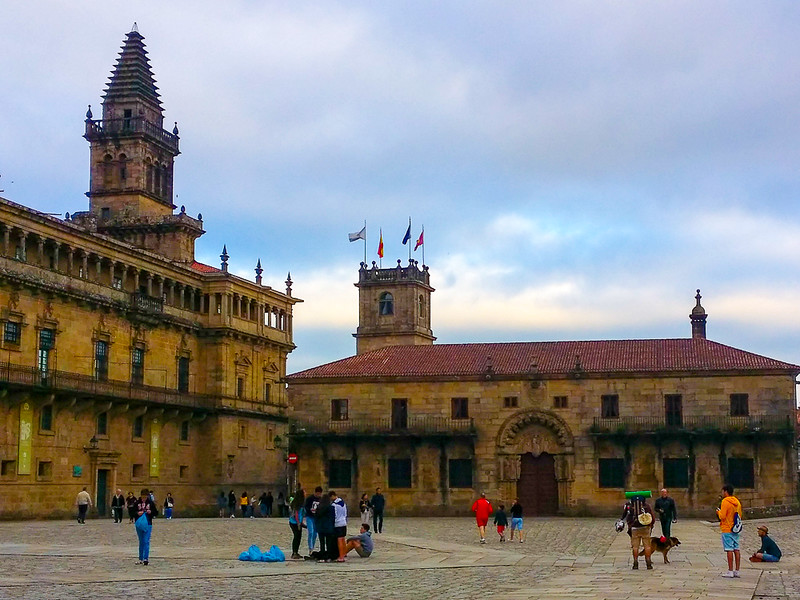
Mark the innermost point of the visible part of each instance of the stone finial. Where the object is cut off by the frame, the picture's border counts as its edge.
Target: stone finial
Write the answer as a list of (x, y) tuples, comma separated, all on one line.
[(199, 216), (698, 318), (66, 216), (89, 113), (175, 129), (224, 258), (183, 209), (488, 369), (289, 284), (135, 27), (259, 271)]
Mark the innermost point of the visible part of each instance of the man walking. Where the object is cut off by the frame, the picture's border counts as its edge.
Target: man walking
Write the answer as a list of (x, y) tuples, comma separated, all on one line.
[(667, 513), (117, 502), (482, 509), (729, 513), (378, 503), (83, 502)]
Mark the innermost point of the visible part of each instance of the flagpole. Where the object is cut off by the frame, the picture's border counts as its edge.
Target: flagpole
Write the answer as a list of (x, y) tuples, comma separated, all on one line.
[(409, 240), (423, 245), (365, 243)]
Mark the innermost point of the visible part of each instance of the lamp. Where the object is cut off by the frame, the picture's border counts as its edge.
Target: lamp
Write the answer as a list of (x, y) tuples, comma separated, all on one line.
[(92, 445)]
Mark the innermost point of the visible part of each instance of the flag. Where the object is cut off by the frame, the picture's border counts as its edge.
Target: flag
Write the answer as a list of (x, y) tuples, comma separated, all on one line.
[(420, 240), (380, 245), (407, 236), (359, 235)]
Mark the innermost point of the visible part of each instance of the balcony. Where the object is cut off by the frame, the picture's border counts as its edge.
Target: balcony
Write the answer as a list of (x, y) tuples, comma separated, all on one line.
[(145, 303), (383, 427), (709, 426), (99, 129)]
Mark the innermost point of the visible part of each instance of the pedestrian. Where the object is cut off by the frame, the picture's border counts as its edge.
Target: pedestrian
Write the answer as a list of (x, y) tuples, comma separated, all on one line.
[(253, 502), (83, 501), (378, 504), (117, 502), (482, 509), (501, 520), (222, 502), (325, 521), (232, 504), (287, 500), (280, 503), (130, 502), (340, 524), (364, 508), (145, 511), (244, 504), (169, 504), (667, 512), (311, 506), (769, 551), (296, 515), (268, 501), (730, 524), (638, 514), (516, 519), (361, 543)]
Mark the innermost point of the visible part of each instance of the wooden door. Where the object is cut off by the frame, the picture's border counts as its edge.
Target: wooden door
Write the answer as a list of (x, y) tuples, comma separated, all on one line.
[(537, 488)]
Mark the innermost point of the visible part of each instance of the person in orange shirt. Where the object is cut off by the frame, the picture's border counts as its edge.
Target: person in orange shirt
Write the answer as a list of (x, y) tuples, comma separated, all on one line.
[(729, 507), (482, 510)]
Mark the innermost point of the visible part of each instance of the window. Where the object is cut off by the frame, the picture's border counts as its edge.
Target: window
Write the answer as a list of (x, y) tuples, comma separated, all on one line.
[(386, 304), (739, 406), (612, 472), (101, 360), (460, 472), (138, 427), (339, 410), (183, 374), (102, 424), (11, 332), (46, 418), (137, 366), (559, 402), (116, 283), (741, 473), (267, 392), (184, 431), (610, 406), (105, 213), (399, 472), (8, 468), (127, 114), (673, 410), (339, 474), (137, 471), (459, 408), (242, 434), (45, 469), (240, 387), (676, 472), (510, 402), (183, 471), (47, 339), (399, 413)]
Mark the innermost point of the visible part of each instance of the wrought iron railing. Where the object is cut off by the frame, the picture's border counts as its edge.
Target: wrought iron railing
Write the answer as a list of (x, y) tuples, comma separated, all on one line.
[(99, 127), (411, 425), (147, 303), (694, 424)]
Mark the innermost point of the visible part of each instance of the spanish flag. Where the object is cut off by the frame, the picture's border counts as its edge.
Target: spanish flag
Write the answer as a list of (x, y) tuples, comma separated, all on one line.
[(380, 245)]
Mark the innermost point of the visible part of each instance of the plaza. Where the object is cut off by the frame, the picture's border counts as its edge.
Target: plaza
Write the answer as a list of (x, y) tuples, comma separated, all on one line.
[(413, 558)]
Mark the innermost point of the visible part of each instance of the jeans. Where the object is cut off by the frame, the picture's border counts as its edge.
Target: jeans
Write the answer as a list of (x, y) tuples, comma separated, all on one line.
[(312, 533), (297, 531), (377, 521), (144, 542), (82, 508), (168, 513), (666, 525)]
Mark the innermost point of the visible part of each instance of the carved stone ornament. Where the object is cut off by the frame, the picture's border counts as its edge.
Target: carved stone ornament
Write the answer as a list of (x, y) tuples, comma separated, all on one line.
[(519, 432), (13, 300)]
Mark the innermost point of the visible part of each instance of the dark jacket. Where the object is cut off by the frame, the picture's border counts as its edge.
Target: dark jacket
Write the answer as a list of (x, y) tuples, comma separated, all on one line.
[(117, 501), (142, 508), (665, 507), (500, 518), (378, 503), (326, 516)]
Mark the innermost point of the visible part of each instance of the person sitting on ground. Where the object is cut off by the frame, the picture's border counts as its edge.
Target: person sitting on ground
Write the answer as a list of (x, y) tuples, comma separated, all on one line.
[(769, 551), (361, 543)]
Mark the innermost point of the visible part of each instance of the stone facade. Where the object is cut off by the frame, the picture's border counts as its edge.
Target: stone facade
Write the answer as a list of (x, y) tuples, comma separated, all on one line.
[(565, 426), (124, 363)]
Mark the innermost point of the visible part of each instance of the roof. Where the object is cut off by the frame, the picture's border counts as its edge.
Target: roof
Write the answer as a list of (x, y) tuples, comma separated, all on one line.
[(203, 268), (549, 358), (132, 75)]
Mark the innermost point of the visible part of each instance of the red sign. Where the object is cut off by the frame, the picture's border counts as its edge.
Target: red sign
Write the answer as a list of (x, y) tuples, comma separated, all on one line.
[(292, 458)]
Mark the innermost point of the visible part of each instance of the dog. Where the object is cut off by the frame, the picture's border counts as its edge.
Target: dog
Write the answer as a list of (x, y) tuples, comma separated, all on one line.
[(664, 547)]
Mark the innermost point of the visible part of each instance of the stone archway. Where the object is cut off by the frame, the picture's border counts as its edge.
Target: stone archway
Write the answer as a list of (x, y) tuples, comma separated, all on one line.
[(536, 455)]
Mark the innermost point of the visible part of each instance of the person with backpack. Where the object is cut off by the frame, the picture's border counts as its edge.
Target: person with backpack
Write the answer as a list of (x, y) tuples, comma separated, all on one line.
[(729, 514), (639, 517)]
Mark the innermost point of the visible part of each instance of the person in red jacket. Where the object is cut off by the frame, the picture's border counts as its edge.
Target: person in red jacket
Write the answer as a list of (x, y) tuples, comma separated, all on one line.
[(482, 510)]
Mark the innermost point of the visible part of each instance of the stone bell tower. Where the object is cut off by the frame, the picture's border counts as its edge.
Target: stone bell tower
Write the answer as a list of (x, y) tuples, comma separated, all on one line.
[(394, 307), (132, 155)]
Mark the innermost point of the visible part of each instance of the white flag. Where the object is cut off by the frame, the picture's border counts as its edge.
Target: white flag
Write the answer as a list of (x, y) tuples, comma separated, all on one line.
[(360, 235)]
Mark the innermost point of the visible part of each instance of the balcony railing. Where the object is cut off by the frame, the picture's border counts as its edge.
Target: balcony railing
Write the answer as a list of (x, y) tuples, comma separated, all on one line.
[(693, 424), (412, 425), (98, 128), (147, 303)]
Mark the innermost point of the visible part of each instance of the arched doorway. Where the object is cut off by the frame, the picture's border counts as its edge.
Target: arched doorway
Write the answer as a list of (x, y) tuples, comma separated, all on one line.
[(537, 488)]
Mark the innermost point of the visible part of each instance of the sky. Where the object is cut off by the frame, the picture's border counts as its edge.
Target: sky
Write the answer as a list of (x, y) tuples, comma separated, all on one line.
[(580, 168)]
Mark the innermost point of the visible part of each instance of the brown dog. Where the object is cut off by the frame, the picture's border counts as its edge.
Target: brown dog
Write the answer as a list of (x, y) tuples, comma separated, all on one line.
[(664, 547)]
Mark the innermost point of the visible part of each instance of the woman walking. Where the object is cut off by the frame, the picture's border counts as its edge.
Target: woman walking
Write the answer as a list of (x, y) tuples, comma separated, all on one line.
[(145, 511), (365, 508), (244, 504), (169, 504), (130, 502), (296, 514)]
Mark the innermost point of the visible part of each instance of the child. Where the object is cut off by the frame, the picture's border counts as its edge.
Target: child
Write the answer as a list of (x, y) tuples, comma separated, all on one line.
[(501, 520)]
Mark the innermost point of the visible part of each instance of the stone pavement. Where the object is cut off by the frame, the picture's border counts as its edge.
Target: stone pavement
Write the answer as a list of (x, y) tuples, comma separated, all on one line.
[(415, 558)]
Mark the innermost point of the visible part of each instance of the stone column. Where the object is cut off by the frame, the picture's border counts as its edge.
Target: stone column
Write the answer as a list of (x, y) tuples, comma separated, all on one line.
[(6, 240), (85, 264), (56, 249)]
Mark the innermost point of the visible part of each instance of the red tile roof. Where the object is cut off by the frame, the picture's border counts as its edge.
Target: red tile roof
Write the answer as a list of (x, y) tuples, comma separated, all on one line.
[(198, 266), (550, 358)]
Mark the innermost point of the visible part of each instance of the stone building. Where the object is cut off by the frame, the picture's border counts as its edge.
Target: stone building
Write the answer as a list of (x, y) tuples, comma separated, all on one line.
[(565, 426), (124, 362)]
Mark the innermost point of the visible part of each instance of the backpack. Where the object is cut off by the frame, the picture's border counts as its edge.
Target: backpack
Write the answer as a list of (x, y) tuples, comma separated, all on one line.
[(737, 523)]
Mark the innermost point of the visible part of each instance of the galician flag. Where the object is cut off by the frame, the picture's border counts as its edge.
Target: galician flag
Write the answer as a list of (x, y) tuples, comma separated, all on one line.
[(420, 240), (359, 235), (380, 245)]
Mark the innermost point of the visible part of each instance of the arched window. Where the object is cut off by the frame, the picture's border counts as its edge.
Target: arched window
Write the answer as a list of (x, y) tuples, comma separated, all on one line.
[(421, 306), (386, 304), (158, 179), (108, 171)]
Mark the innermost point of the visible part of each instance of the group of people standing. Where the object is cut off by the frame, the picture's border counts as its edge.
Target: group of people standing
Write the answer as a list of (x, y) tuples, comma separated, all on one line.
[(250, 506), (483, 510)]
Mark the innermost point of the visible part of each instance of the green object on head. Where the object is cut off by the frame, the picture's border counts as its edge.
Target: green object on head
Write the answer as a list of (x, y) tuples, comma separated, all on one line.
[(644, 494)]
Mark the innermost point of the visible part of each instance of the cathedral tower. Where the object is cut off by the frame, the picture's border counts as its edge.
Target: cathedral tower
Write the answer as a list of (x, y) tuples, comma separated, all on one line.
[(132, 155), (394, 307)]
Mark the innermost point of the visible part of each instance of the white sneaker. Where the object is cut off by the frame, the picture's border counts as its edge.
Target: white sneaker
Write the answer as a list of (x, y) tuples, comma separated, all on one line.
[(728, 575), (736, 574), (483, 540), (520, 541)]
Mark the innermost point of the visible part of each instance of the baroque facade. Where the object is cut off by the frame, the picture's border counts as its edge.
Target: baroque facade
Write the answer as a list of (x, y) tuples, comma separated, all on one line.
[(125, 363), (565, 426)]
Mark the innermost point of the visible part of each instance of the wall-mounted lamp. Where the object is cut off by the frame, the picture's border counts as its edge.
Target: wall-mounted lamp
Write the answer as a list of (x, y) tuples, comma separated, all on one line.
[(92, 445)]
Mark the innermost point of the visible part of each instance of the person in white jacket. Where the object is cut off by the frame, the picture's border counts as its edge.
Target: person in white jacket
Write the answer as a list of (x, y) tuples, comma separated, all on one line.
[(339, 523)]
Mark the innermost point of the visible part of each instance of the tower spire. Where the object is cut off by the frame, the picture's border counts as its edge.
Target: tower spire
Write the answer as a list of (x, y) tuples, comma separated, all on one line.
[(698, 318)]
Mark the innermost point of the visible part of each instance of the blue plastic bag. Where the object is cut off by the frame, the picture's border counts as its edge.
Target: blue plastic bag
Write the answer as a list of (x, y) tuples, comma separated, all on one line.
[(254, 554), (141, 523)]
